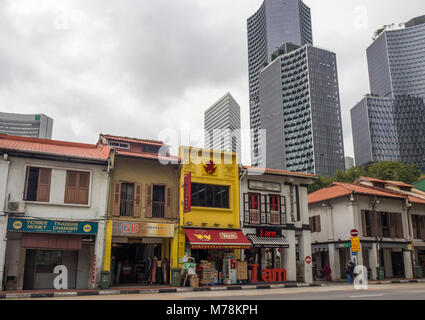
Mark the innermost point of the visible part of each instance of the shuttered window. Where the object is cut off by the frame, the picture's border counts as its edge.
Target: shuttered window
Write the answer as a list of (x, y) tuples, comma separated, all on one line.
[(315, 224), (37, 184), (77, 187)]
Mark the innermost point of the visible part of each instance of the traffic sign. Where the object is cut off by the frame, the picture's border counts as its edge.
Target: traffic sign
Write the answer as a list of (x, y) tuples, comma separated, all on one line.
[(355, 244), (354, 233), (308, 259)]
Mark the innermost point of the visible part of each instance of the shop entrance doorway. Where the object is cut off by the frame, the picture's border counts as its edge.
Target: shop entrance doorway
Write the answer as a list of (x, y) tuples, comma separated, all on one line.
[(397, 264), (40, 264), (134, 264)]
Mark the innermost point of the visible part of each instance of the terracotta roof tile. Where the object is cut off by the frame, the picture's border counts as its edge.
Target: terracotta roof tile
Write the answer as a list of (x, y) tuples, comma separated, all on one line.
[(134, 140), (372, 179), (416, 200), (400, 184), (54, 147), (339, 189), (281, 172), (145, 155)]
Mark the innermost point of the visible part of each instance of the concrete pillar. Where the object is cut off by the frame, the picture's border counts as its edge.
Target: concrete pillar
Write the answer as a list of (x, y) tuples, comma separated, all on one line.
[(373, 261), (330, 223), (305, 251), (289, 257), (334, 262), (408, 270), (99, 251), (388, 263), (3, 242)]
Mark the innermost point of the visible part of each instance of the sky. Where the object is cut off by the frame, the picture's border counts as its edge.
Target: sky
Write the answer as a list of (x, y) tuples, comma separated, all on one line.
[(138, 67)]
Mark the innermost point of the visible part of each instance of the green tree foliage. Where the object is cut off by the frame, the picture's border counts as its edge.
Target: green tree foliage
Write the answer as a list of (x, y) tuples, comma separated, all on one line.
[(389, 171)]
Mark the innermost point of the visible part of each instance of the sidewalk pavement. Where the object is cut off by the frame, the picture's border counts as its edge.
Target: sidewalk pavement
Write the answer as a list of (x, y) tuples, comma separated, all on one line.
[(25, 294)]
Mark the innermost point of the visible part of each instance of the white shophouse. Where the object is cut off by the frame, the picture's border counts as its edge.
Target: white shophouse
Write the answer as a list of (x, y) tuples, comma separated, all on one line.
[(274, 217), (390, 221), (53, 199)]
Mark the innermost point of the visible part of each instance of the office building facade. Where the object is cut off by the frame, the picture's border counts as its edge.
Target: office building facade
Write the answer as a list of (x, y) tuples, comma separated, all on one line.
[(300, 110), (222, 123), (26, 125), (275, 23), (395, 110)]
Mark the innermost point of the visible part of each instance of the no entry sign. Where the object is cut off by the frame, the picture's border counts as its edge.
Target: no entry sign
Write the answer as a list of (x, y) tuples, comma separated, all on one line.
[(354, 233), (308, 259)]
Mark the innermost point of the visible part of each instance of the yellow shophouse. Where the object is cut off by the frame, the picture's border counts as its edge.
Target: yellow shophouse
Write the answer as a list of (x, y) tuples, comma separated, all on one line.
[(209, 225)]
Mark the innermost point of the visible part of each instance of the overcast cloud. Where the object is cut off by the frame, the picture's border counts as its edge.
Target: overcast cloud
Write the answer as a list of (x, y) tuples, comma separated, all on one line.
[(136, 67)]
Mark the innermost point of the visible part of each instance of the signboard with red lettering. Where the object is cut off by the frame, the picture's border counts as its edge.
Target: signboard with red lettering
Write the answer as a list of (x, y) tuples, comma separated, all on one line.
[(187, 207), (269, 232), (308, 260)]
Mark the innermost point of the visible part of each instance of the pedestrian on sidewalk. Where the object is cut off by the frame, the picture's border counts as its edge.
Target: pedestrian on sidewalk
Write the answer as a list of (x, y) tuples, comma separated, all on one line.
[(348, 272), (327, 273)]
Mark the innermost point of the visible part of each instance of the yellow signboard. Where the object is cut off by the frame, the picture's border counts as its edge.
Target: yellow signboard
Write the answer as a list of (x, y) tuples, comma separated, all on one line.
[(143, 229), (355, 244)]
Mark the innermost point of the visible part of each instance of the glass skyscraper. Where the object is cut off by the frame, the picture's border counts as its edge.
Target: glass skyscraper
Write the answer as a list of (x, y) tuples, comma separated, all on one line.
[(275, 23), (300, 109), (396, 61)]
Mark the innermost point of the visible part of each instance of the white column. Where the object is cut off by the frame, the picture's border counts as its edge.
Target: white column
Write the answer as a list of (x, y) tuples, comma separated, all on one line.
[(408, 270), (99, 252), (305, 251), (289, 257), (330, 223), (388, 263), (334, 262), (3, 242), (373, 261)]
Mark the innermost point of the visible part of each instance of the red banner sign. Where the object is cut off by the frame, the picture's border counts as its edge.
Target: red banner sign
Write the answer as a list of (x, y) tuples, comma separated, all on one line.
[(188, 192)]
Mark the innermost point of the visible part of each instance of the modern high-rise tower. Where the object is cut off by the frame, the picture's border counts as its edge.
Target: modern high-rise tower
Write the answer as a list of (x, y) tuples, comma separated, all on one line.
[(300, 110), (26, 125), (222, 125), (389, 124), (275, 23)]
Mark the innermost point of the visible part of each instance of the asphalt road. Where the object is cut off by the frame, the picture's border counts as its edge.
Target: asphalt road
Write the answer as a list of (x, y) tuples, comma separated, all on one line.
[(410, 291)]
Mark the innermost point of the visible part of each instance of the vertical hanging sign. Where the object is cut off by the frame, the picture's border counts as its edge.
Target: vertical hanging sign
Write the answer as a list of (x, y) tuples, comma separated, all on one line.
[(188, 192), (94, 271)]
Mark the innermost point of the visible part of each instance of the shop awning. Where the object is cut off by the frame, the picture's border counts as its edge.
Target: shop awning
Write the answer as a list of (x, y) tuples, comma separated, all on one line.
[(279, 242), (217, 239)]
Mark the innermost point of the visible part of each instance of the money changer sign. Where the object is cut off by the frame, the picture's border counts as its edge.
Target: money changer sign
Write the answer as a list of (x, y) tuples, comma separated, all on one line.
[(50, 226)]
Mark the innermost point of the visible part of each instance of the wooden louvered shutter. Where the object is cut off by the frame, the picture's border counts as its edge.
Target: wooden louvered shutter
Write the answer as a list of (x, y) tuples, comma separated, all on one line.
[(83, 188), (71, 187), (27, 176), (392, 217), (364, 227), (137, 207), (116, 199), (422, 227), (398, 225), (168, 203), (43, 188), (149, 196), (318, 225), (374, 223), (414, 226), (311, 219)]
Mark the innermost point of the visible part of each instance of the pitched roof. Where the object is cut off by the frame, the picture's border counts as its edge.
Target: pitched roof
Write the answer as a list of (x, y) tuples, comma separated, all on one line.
[(134, 140), (54, 147), (400, 184), (416, 200), (340, 189), (372, 179), (281, 172), (145, 155)]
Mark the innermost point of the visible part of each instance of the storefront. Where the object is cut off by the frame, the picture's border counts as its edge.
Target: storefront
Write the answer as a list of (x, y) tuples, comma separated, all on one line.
[(215, 253), (267, 253), (140, 253), (39, 246)]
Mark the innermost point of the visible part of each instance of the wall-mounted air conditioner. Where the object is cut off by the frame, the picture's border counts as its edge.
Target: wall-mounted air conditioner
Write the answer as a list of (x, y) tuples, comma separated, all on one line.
[(16, 207)]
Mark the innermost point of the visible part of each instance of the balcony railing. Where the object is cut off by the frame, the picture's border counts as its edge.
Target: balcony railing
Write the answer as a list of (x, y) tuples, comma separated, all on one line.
[(158, 209)]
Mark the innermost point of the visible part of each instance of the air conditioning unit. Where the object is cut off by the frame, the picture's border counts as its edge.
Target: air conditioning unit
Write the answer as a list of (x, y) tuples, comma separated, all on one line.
[(16, 207)]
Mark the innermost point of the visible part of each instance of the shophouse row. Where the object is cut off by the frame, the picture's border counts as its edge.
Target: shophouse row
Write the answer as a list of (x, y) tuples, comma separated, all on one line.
[(126, 212)]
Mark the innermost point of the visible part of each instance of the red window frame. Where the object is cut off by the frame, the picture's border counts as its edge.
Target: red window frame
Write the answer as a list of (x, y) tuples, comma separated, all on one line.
[(254, 201), (274, 202)]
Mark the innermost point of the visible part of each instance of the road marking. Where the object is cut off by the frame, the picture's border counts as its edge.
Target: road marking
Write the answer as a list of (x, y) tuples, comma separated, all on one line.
[(367, 296)]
